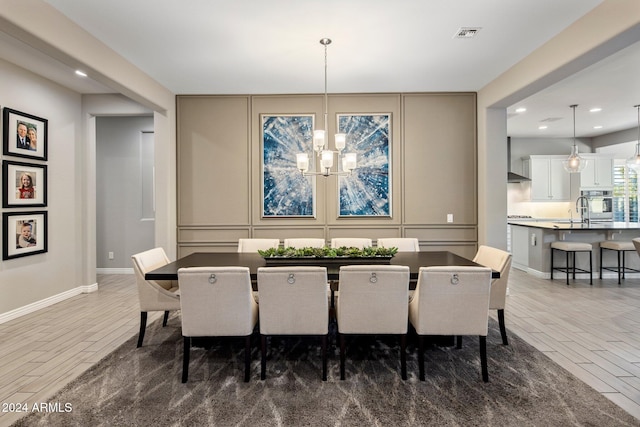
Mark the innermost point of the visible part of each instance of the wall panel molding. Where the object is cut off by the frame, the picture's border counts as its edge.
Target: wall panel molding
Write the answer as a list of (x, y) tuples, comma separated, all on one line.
[(220, 182)]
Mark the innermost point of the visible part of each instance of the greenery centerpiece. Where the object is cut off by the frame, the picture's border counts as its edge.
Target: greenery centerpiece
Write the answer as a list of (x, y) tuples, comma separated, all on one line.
[(343, 255), (327, 252)]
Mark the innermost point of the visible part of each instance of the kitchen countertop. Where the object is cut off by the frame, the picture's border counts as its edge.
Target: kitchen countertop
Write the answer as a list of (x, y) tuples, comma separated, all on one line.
[(567, 225), (538, 219)]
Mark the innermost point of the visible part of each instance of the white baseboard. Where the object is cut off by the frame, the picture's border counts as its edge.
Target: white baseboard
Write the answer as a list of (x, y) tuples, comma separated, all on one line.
[(559, 275), (538, 274), (614, 275), (520, 266), (114, 270), (33, 307)]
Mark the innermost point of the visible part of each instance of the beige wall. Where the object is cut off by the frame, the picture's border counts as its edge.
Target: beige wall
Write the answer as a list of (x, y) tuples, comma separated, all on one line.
[(433, 156)]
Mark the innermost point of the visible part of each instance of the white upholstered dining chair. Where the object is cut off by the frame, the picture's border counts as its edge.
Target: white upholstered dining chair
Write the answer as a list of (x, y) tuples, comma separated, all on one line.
[(404, 244), (497, 260), (636, 244), (216, 302), (347, 242), (253, 245), (351, 242), (153, 295), (293, 301), (299, 243), (373, 301), (452, 301)]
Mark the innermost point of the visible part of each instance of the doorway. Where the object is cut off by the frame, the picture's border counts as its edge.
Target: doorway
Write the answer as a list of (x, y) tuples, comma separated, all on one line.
[(125, 197)]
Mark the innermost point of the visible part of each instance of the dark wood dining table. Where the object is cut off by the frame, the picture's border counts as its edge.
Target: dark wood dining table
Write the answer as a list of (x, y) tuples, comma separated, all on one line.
[(414, 260)]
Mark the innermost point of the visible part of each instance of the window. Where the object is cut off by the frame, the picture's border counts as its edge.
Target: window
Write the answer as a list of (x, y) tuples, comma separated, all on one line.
[(625, 193)]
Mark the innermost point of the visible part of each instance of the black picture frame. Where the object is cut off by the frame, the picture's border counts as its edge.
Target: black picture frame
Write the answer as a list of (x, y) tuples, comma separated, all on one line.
[(12, 122), (15, 244), (16, 191)]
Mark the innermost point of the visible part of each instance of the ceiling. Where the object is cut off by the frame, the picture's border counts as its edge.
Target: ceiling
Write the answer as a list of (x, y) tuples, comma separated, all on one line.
[(611, 85), (263, 47)]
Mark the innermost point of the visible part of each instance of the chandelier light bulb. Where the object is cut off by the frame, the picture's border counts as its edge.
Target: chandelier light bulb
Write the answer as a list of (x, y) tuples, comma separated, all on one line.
[(349, 162), (326, 159), (302, 161), (318, 140)]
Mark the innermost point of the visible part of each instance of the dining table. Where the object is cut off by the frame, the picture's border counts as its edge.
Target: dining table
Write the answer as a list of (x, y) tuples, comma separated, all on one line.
[(254, 260), (414, 260)]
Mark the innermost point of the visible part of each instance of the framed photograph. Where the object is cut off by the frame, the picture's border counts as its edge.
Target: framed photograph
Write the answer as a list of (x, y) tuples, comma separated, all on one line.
[(367, 191), (25, 184), (24, 233), (24, 135), (285, 191)]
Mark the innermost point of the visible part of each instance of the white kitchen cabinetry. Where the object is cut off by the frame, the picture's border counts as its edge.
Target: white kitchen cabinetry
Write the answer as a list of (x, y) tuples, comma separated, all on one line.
[(549, 181), (598, 173)]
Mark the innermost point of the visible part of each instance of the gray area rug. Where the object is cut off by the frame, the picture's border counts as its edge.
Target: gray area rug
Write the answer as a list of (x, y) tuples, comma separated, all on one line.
[(142, 387)]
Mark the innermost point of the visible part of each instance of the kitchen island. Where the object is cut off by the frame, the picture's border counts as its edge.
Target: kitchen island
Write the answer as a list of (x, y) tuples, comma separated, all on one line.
[(531, 245)]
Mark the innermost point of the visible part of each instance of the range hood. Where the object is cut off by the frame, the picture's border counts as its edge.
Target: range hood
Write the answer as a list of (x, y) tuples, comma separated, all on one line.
[(512, 176)]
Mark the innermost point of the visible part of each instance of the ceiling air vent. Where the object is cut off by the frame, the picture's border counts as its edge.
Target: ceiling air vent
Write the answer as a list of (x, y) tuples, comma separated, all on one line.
[(550, 119), (466, 32)]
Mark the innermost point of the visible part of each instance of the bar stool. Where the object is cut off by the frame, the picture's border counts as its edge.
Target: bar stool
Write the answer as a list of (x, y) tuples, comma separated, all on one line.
[(621, 247), (570, 248)]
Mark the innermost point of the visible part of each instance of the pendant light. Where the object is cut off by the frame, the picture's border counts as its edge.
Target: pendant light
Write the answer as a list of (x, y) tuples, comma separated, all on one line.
[(321, 145), (634, 162), (574, 163)]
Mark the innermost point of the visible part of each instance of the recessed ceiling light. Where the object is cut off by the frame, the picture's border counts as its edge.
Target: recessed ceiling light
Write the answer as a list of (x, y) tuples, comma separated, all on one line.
[(81, 73), (595, 110), (521, 110), (598, 127), (543, 127)]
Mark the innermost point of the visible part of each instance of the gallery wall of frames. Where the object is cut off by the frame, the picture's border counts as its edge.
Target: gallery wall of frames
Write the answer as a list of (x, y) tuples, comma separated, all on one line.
[(24, 184)]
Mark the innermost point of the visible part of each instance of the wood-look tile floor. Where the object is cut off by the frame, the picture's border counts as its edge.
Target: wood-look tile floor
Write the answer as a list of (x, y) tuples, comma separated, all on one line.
[(41, 352), (592, 331)]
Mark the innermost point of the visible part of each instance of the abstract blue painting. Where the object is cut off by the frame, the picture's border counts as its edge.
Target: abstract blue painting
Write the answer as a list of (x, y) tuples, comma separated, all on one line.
[(367, 192), (285, 192)]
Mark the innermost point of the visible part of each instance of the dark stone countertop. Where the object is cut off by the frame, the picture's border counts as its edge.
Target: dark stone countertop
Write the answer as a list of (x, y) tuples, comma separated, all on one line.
[(577, 226)]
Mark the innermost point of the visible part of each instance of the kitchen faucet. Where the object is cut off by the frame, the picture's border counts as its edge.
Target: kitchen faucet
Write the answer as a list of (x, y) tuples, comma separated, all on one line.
[(582, 205)]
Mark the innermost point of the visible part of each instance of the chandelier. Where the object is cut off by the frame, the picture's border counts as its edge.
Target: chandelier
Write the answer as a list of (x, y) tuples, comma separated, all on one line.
[(634, 162), (320, 144), (574, 162)]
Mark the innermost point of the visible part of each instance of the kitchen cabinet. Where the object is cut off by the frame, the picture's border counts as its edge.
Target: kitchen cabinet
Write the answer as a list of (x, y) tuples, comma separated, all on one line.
[(520, 247), (531, 244), (549, 181), (598, 173)]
